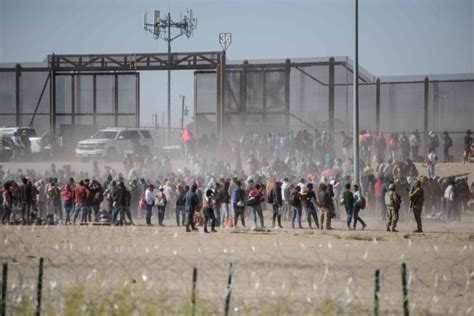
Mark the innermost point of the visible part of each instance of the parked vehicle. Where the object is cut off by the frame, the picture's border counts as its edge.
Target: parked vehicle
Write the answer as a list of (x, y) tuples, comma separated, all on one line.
[(6, 145), (112, 142)]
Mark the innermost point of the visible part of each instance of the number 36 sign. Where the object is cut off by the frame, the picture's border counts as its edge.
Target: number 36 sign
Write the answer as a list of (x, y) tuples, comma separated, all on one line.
[(225, 39)]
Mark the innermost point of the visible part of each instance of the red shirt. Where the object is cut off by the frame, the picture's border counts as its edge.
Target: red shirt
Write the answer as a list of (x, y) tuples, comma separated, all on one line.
[(378, 188)]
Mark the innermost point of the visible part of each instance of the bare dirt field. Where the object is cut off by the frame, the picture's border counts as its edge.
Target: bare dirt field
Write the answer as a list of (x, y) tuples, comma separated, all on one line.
[(92, 270)]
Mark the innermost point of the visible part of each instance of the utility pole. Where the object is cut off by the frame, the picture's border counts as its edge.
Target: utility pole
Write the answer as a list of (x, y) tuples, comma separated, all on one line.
[(182, 111), (355, 135), (186, 27)]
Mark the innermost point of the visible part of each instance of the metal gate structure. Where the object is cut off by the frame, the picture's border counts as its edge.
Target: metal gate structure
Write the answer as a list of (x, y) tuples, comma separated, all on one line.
[(96, 90), (316, 93)]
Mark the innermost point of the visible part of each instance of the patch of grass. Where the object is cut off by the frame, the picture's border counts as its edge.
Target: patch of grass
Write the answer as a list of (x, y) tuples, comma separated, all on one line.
[(257, 230), (363, 237), (471, 237), (327, 307)]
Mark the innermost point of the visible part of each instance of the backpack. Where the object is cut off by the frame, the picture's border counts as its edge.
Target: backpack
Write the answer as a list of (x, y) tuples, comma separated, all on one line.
[(270, 197), (362, 203), (142, 204), (52, 193), (236, 195), (294, 198), (252, 201)]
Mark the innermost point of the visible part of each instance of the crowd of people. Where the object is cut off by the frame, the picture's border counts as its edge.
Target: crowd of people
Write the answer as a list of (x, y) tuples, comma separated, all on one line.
[(296, 178)]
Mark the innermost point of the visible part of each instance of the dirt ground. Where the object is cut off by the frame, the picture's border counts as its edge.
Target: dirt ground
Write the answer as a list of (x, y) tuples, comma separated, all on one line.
[(282, 271), (301, 266)]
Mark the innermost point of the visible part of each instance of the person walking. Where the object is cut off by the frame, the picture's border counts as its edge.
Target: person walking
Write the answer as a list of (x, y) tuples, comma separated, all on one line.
[(358, 201), (26, 199), (393, 201), (417, 196), (7, 203), (161, 201), (295, 198), (431, 160), (348, 202), (285, 195), (467, 146), (238, 201), (447, 144), (415, 142), (276, 200), (191, 205), (67, 193), (209, 202), (224, 199), (324, 201), (449, 195), (433, 142), (309, 202), (81, 194), (149, 201), (180, 204), (254, 201), (118, 205)]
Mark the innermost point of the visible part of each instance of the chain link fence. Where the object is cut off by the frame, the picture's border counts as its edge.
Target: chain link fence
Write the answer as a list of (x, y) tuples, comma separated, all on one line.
[(91, 270)]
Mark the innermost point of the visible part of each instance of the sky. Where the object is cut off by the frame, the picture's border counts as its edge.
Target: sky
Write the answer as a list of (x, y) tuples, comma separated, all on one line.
[(396, 37)]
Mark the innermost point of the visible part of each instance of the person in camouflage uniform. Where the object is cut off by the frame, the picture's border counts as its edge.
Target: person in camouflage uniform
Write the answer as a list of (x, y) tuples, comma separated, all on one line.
[(417, 199), (393, 201)]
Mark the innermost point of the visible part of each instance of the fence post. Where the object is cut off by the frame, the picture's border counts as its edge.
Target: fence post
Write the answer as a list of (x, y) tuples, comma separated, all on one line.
[(406, 312), (193, 293), (377, 105), (3, 303), (425, 116), (229, 290), (40, 287), (331, 92), (376, 292)]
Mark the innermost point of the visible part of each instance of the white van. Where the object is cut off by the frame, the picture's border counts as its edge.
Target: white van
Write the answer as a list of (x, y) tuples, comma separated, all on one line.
[(112, 142)]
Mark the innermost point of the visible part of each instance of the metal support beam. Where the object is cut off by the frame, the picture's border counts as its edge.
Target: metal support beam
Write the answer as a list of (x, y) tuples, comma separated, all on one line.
[(377, 105), (243, 94), (218, 101), (73, 99), (222, 98), (287, 93), (264, 96), (39, 101), (94, 101), (331, 92), (301, 98), (425, 120), (355, 133), (116, 96), (195, 101), (17, 93), (436, 96), (137, 99), (52, 100)]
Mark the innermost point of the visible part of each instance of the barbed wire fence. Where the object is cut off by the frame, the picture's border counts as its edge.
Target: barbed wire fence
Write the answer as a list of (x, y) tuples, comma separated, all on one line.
[(91, 270)]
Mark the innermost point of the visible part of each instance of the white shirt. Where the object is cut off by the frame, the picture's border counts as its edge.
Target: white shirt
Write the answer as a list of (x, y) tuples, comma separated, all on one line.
[(449, 193), (284, 186), (149, 197)]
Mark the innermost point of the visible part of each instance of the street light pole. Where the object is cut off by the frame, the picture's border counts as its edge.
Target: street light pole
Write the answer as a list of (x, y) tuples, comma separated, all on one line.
[(182, 112), (356, 177), (169, 79)]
